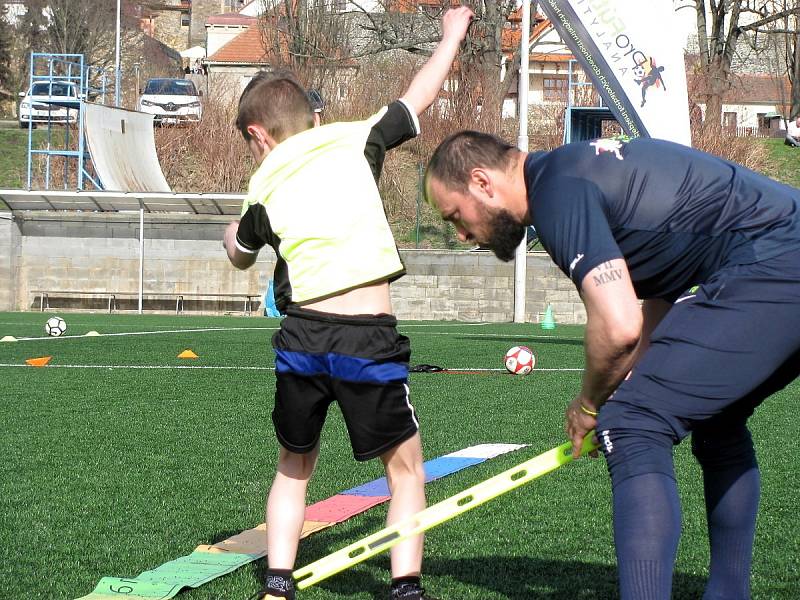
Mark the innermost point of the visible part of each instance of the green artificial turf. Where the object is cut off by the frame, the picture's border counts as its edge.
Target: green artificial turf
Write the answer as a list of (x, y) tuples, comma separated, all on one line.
[(113, 470)]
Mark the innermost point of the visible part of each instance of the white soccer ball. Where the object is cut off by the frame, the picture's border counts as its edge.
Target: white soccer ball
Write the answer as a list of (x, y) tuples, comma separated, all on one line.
[(520, 360), (55, 326)]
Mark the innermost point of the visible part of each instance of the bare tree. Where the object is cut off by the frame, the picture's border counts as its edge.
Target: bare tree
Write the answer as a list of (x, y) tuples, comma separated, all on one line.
[(308, 36), (786, 42), (5, 49), (719, 29), (313, 38), (81, 27), (28, 33), (479, 80)]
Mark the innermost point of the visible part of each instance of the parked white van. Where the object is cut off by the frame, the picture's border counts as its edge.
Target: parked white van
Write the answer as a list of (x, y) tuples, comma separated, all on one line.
[(172, 101)]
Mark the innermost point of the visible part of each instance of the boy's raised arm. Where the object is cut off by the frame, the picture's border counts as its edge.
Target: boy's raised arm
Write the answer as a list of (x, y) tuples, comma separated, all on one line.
[(426, 84)]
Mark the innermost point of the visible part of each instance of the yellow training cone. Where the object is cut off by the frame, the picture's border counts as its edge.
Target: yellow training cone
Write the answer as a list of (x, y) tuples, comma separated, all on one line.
[(8, 338), (91, 334), (187, 354), (38, 362)]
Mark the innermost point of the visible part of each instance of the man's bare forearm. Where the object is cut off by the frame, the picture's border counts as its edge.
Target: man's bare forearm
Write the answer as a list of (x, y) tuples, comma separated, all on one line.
[(613, 330)]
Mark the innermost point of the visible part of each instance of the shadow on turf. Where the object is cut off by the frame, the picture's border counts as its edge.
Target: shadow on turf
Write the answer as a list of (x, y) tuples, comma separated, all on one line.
[(514, 339), (512, 578)]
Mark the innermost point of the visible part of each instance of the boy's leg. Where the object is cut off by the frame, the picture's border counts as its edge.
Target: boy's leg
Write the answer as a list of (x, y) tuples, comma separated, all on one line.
[(406, 478), (369, 370), (286, 506), (302, 397)]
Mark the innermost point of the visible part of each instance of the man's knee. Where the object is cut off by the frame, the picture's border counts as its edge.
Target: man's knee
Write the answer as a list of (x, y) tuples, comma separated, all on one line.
[(632, 452), (724, 447)]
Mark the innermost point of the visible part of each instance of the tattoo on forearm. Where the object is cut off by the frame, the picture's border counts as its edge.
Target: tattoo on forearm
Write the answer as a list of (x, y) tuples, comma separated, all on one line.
[(606, 273)]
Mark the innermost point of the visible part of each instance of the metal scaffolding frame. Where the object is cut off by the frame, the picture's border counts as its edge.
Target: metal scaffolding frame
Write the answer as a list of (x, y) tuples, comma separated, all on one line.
[(52, 69)]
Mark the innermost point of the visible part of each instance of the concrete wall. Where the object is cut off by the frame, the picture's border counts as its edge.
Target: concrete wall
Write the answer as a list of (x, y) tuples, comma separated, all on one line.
[(170, 31), (183, 253), (201, 10), (9, 250)]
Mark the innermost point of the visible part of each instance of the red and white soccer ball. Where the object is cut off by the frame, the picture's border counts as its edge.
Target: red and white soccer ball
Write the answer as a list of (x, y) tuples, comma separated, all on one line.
[(520, 360)]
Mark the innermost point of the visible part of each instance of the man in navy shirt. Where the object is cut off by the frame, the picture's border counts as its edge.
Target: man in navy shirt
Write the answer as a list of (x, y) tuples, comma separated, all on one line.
[(713, 250)]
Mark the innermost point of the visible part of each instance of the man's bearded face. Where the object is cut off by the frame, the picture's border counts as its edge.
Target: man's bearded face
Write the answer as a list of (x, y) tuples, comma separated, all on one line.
[(504, 233)]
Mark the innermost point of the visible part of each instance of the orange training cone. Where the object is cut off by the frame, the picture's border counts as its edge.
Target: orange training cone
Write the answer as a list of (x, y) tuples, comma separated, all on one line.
[(38, 362), (187, 354)]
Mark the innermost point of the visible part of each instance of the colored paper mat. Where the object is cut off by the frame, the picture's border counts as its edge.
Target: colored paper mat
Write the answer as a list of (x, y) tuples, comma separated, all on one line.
[(210, 561)]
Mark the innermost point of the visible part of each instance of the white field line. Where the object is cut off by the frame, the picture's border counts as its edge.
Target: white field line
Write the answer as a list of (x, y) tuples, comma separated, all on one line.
[(229, 368), (508, 335), (167, 367), (74, 322), (535, 370), (482, 324), (206, 329), (127, 333)]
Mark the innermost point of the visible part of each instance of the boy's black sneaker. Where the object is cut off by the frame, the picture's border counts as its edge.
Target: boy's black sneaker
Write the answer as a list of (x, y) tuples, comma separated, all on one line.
[(409, 591), (278, 586)]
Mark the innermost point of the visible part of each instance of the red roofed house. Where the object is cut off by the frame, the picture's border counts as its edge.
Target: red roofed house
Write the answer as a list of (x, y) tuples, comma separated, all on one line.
[(753, 105), (237, 50), (548, 68)]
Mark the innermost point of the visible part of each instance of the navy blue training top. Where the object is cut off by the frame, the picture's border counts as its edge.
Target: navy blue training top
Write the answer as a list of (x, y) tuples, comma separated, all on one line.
[(675, 214)]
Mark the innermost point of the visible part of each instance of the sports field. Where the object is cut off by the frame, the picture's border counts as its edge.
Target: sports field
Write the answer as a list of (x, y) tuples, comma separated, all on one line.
[(118, 457)]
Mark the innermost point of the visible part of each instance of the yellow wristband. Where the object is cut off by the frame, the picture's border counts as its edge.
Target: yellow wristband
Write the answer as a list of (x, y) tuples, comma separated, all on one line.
[(586, 411)]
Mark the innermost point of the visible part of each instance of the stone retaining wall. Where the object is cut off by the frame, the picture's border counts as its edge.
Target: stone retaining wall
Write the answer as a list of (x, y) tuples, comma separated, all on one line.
[(183, 253)]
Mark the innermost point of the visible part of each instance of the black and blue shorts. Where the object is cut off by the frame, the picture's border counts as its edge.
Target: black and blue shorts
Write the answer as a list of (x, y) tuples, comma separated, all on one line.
[(723, 347), (359, 361)]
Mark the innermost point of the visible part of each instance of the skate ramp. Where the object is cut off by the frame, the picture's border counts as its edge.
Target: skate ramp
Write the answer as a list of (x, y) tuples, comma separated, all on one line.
[(123, 149)]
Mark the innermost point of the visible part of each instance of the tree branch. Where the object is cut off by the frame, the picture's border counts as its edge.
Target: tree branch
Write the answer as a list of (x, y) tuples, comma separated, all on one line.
[(769, 19)]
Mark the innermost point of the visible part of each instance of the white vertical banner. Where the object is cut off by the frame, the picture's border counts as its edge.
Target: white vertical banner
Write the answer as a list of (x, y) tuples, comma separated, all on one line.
[(630, 50)]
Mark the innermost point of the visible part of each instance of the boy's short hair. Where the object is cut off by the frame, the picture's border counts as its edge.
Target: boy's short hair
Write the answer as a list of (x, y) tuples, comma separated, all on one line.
[(277, 101)]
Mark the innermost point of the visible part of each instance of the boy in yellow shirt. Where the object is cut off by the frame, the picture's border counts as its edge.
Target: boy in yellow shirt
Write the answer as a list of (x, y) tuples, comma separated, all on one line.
[(315, 200)]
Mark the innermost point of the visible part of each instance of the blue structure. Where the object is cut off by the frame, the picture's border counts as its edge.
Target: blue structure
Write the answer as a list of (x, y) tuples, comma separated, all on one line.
[(583, 122), (53, 69), (270, 308)]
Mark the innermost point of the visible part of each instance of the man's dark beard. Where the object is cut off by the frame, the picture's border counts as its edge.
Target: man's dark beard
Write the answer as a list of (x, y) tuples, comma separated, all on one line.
[(505, 234)]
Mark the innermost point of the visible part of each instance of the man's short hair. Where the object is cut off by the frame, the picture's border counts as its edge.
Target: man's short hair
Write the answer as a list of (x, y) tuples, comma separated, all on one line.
[(276, 101), (461, 152)]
